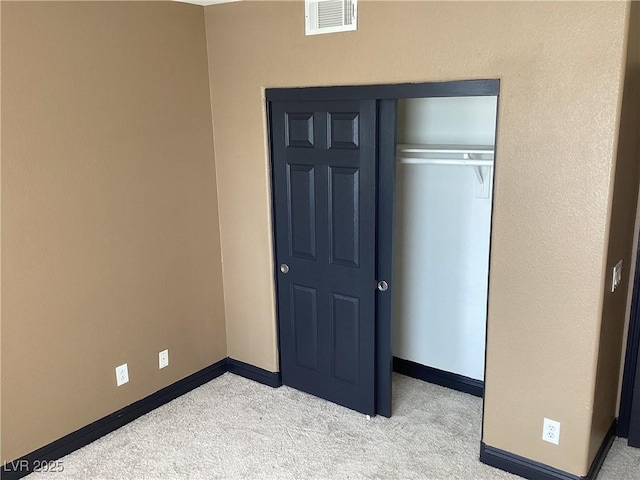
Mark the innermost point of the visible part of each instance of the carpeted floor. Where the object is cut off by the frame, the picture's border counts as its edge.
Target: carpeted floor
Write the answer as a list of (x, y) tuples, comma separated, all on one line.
[(236, 428)]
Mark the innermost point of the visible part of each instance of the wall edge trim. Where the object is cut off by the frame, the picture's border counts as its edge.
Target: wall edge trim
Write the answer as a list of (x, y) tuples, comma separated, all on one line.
[(512, 463), (246, 370), (526, 468), (439, 377)]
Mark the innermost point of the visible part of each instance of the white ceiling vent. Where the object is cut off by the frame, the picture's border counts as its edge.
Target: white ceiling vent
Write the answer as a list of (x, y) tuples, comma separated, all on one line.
[(330, 16)]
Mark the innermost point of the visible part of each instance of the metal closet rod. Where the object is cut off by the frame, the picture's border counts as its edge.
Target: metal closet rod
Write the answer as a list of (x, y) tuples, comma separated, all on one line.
[(444, 161), (471, 155), (424, 148)]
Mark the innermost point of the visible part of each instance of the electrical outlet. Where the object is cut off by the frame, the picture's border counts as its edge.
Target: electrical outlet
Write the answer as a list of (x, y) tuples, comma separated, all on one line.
[(551, 431), (163, 359), (122, 374), (617, 276)]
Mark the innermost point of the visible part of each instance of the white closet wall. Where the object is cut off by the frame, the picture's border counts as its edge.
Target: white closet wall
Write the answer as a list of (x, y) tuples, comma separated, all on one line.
[(441, 242)]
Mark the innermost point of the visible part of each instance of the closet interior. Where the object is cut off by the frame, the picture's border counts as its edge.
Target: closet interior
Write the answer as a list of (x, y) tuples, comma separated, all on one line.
[(444, 189)]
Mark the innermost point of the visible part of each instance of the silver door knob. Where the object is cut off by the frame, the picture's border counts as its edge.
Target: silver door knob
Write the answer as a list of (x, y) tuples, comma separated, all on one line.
[(383, 286), (284, 268)]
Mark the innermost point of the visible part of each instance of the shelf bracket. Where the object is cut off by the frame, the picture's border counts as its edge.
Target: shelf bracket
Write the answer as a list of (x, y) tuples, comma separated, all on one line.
[(483, 187), (478, 170)]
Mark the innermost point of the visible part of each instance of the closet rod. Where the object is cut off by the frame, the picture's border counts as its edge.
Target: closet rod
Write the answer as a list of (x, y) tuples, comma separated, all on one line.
[(444, 161), (449, 149)]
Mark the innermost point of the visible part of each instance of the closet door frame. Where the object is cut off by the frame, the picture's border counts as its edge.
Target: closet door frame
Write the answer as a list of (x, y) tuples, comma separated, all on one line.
[(386, 97)]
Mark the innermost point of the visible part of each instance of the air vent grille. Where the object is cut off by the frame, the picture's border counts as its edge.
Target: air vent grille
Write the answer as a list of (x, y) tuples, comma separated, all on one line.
[(330, 16)]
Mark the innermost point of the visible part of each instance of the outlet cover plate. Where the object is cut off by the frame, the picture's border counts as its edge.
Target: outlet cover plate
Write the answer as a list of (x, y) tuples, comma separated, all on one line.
[(122, 374), (163, 359), (551, 431)]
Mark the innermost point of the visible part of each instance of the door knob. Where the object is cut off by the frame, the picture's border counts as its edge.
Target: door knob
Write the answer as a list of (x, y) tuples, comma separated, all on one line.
[(284, 268), (383, 286)]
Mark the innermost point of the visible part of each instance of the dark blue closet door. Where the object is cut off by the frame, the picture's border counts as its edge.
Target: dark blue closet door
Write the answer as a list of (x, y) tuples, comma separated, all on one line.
[(324, 181)]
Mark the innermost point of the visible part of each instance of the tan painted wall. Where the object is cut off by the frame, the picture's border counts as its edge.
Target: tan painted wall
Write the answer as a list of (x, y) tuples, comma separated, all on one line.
[(560, 66), (621, 235), (628, 140), (110, 241)]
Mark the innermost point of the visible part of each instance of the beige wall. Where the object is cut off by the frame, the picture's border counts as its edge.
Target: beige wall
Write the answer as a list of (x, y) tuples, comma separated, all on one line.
[(628, 135), (560, 66), (110, 242), (623, 206), (624, 215)]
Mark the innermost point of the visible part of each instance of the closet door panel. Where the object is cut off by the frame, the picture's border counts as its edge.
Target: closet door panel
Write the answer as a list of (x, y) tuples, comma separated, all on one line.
[(302, 211), (344, 210), (305, 326), (324, 174)]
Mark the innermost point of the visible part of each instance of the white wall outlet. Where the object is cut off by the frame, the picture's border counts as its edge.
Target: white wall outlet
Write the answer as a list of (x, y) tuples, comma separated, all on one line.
[(163, 359), (551, 431), (122, 374), (617, 276)]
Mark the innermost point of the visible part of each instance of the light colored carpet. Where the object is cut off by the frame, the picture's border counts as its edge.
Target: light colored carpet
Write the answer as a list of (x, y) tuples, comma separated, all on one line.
[(236, 428)]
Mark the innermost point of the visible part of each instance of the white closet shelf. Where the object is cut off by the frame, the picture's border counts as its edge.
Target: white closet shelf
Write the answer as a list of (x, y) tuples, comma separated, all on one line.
[(474, 155), (478, 156), (445, 161)]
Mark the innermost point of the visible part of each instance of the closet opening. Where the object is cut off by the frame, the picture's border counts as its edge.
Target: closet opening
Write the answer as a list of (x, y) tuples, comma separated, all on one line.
[(444, 169), (382, 201)]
